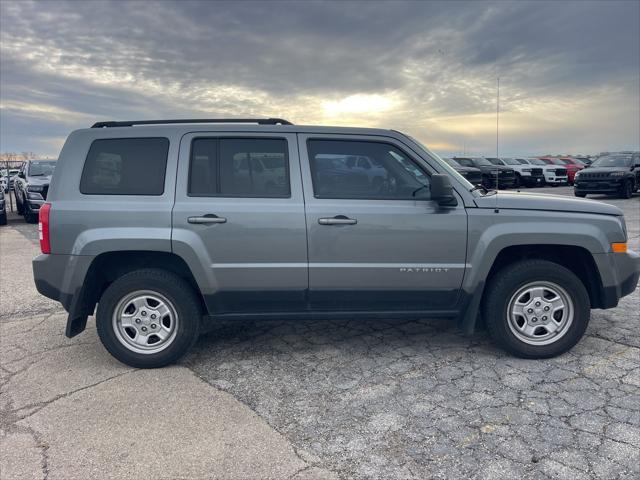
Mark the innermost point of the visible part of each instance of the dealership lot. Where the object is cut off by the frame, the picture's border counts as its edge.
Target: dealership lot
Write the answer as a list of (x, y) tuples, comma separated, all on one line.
[(314, 399)]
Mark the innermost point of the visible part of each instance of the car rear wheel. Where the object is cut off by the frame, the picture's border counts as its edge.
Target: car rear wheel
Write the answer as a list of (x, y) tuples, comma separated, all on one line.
[(536, 309), (148, 318), (3, 218), (580, 194)]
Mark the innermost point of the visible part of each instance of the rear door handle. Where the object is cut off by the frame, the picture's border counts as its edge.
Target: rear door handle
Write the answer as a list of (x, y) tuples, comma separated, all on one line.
[(337, 220), (206, 219)]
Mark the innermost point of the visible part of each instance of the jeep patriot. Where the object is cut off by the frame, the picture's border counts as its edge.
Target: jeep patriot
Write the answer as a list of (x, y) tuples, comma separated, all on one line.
[(160, 227)]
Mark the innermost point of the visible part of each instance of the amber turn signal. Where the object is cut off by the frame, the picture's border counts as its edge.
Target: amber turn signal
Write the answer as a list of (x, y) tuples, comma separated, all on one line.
[(619, 247)]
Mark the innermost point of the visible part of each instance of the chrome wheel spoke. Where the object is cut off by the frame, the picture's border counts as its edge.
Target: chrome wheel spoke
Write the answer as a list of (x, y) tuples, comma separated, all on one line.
[(140, 303), (518, 309), (162, 333), (140, 339), (162, 310), (127, 321), (556, 304), (537, 292)]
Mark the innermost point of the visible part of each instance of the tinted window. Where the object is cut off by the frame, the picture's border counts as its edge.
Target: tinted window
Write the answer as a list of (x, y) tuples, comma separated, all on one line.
[(364, 170), (40, 168), (613, 161), (125, 166), (465, 162), (239, 167)]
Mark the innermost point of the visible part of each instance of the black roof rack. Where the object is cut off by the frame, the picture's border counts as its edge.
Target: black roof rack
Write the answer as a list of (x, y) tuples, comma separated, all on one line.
[(130, 123)]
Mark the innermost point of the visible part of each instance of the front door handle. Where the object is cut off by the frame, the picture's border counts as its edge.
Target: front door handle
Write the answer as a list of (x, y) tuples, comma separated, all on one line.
[(337, 220), (206, 219)]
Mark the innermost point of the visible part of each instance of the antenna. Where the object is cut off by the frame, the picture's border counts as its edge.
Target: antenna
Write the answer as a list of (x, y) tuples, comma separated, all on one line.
[(497, 141)]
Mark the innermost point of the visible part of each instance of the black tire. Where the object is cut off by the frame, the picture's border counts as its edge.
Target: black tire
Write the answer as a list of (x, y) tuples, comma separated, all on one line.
[(517, 183), (627, 189), (182, 298), (486, 181), (3, 218), (580, 194), (29, 215), (505, 284), (19, 206)]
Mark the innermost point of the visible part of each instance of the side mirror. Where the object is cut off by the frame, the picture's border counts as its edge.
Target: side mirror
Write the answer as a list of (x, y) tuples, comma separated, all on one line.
[(442, 191)]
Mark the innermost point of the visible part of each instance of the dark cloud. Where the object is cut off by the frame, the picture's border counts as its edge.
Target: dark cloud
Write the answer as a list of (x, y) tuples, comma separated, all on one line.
[(65, 64)]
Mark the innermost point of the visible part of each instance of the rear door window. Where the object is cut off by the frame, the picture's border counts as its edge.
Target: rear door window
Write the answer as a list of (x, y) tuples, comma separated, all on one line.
[(125, 166), (239, 167)]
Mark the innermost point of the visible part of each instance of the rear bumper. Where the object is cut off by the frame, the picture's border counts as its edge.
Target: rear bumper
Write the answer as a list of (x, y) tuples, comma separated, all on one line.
[(58, 277), (62, 278), (619, 273)]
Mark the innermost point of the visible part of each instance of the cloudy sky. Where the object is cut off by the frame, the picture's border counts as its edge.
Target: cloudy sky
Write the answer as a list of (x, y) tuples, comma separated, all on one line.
[(569, 71)]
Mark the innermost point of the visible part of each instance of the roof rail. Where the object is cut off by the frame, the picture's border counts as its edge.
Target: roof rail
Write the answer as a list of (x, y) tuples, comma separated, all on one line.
[(130, 123)]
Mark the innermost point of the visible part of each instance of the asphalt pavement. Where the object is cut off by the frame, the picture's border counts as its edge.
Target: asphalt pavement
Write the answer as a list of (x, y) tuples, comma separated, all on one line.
[(297, 399)]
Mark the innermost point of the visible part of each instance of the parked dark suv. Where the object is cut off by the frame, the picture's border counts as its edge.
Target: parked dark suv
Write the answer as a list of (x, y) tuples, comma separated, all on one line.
[(31, 186), (3, 208), (167, 227), (472, 174), (613, 173), (492, 175)]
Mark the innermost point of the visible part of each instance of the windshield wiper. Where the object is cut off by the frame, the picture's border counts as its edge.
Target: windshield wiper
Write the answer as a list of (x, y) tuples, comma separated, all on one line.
[(417, 190)]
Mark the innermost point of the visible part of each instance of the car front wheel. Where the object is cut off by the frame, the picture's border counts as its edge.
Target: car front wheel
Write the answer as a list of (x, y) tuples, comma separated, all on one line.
[(536, 309), (627, 189), (148, 318)]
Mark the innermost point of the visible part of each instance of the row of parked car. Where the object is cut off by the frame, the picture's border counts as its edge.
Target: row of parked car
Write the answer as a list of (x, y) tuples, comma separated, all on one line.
[(30, 184), (611, 173)]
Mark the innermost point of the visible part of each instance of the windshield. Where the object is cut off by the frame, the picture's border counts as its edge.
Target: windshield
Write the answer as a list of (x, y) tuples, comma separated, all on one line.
[(482, 161), (495, 161), (511, 161), (613, 161), (41, 168), (450, 170), (452, 162), (537, 161)]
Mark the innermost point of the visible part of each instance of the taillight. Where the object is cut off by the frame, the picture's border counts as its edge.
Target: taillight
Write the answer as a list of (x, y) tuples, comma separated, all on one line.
[(43, 228)]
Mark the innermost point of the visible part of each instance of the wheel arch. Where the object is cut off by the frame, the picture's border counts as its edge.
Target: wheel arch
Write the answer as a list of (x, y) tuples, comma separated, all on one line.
[(108, 267), (575, 258)]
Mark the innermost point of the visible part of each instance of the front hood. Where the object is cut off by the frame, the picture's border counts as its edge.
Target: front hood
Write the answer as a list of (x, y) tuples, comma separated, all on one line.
[(467, 169), (604, 169), (39, 180), (494, 168), (537, 201)]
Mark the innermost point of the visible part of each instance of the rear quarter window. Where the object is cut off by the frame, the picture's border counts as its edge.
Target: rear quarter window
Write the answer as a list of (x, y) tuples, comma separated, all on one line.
[(125, 166)]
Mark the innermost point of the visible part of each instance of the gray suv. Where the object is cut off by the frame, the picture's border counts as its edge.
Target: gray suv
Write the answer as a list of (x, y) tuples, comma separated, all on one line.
[(168, 225)]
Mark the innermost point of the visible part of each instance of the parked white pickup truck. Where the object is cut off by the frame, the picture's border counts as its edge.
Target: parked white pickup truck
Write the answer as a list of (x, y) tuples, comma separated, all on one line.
[(528, 175), (553, 175)]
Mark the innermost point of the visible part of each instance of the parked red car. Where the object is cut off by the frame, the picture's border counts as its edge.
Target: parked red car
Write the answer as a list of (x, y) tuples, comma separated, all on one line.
[(572, 165)]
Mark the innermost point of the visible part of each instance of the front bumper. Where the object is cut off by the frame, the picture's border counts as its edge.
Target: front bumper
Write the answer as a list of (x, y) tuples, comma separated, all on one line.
[(619, 273), (598, 186), (552, 178), (532, 180)]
